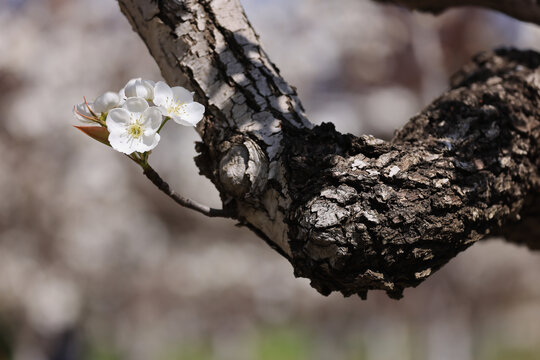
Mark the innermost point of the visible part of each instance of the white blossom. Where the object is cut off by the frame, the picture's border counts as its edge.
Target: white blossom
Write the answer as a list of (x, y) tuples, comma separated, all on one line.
[(177, 103), (106, 102), (132, 120), (102, 104), (81, 112), (138, 87), (133, 127)]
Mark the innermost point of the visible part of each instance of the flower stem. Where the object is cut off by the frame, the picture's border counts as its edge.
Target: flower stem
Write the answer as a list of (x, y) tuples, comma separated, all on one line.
[(163, 123), (154, 177)]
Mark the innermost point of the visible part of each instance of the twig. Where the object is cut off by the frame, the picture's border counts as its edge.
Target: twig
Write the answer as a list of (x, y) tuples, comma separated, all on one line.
[(154, 177)]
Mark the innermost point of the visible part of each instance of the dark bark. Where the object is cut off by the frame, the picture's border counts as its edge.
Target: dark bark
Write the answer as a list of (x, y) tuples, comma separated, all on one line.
[(374, 215), (525, 10), (354, 213)]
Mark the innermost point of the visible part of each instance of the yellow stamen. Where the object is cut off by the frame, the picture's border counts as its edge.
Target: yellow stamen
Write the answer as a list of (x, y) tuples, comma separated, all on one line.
[(135, 130), (175, 107)]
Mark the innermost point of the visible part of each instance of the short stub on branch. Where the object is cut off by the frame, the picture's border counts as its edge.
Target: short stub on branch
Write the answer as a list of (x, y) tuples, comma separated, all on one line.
[(243, 170)]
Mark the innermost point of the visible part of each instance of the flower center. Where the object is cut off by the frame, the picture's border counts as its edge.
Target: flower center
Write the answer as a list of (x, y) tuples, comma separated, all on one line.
[(135, 130), (175, 107)]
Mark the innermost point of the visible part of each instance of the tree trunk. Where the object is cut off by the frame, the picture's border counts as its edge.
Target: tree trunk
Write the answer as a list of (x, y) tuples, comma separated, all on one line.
[(353, 213)]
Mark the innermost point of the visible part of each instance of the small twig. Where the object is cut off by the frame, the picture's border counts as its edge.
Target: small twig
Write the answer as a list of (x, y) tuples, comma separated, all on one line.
[(154, 177)]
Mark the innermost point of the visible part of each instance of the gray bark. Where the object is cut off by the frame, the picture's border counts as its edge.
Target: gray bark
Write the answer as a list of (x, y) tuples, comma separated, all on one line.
[(353, 213)]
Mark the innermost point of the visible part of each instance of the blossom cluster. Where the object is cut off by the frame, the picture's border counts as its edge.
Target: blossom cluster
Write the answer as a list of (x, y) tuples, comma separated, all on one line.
[(135, 115)]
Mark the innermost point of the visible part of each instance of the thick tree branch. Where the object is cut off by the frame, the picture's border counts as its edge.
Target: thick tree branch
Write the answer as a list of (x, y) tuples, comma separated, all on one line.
[(525, 10), (353, 213), (382, 215), (210, 47)]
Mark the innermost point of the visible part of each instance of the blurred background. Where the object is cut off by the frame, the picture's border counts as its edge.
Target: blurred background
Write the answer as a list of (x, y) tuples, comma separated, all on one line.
[(96, 264)]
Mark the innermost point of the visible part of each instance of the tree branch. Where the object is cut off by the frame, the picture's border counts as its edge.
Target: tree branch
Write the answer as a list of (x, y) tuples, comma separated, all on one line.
[(154, 177), (353, 213), (372, 214), (524, 10)]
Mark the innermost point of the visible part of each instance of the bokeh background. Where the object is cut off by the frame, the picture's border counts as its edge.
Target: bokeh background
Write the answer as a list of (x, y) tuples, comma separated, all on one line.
[(96, 264)]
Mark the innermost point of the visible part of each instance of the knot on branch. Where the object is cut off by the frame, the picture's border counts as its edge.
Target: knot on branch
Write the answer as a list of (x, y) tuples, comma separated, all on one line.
[(373, 215), (243, 170), (385, 218)]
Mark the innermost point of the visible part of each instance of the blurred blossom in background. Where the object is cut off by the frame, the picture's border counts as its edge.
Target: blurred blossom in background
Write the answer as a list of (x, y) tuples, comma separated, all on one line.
[(95, 263)]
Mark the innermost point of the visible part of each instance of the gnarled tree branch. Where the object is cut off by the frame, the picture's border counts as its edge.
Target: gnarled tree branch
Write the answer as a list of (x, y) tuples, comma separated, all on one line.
[(525, 10), (353, 213)]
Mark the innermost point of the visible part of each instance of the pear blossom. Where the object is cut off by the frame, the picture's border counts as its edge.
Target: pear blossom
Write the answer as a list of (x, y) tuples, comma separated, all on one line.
[(82, 113), (134, 126), (102, 104), (178, 104), (106, 102), (138, 87), (132, 118)]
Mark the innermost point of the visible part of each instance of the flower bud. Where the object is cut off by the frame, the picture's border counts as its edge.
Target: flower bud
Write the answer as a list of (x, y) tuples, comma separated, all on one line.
[(82, 113), (106, 102), (139, 88)]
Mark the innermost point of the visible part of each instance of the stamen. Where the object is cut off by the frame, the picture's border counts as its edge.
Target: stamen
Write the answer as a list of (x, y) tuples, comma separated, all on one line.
[(175, 107)]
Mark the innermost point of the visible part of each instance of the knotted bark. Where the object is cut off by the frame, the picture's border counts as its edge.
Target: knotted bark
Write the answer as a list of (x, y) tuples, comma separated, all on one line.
[(525, 10), (353, 213), (370, 214)]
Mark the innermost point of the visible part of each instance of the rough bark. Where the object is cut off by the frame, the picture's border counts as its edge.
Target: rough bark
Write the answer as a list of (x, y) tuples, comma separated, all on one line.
[(526, 10), (353, 213), (371, 214)]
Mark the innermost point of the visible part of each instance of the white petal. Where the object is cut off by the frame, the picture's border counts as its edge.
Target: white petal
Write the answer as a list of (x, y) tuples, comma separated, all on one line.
[(135, 105), (106, 102), (147, 142), (163, 110), (82, 109), (131, 82), (193, 113), (162, 92), (122, 98), (177, 119), (117, 120), (149, 85), (120, 141), (182, 95), (140, 88), (152, 119), (146, 92), (131, 90)]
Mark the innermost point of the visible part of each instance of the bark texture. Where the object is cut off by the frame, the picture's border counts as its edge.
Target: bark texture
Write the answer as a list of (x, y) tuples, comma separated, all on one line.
[(371, 214), (353, 213)]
